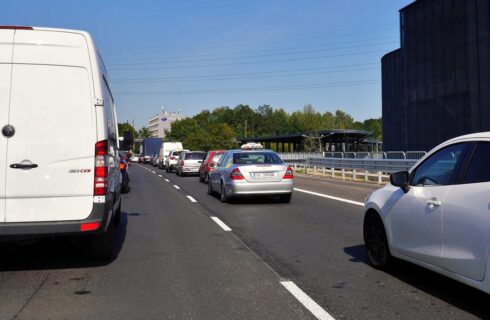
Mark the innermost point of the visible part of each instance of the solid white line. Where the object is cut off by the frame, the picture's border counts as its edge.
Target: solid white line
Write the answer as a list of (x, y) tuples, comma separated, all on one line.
[(357, 203), (191, 198), (306, 301), (160, 176), (176, 186), (167, 180), (221, 224)]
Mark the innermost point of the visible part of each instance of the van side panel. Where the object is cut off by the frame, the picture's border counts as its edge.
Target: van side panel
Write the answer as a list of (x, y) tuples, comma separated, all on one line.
[(51, 47), (53, 112), (6, 46)]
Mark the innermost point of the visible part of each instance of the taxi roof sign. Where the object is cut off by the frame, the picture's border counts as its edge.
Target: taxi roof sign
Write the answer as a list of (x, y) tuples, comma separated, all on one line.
[(251, 146)]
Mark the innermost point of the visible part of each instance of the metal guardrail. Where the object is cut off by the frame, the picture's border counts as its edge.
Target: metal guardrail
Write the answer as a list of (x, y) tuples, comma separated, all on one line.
[(409, 155), (299, 155), (371, 165)]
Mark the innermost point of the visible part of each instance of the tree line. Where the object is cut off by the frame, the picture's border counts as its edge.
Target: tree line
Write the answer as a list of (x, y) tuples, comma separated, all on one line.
[(217, 129)]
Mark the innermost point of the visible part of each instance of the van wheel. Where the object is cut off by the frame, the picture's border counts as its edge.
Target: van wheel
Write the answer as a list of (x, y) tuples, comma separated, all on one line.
[(376, 242), (102, 246), (285, 198)]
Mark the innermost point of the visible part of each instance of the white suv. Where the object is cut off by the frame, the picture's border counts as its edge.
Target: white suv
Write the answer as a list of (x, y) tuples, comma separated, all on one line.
[(437, 215), (60, 164)]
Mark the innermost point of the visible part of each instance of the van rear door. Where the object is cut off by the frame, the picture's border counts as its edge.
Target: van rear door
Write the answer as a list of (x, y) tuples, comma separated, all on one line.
[(53, 113), (6, 46)]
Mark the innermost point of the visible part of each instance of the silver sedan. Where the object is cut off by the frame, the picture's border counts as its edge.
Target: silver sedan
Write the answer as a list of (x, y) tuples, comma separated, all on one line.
[(251, 173)]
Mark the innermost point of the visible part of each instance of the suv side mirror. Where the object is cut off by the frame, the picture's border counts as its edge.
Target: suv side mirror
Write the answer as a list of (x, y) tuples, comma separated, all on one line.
[(400, 179)]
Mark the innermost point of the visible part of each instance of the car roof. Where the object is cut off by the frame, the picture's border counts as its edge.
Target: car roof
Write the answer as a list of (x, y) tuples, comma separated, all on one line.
[(478, 135), (250, 150)]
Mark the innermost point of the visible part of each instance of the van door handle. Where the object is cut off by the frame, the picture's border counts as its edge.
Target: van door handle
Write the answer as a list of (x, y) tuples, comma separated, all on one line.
[(23, 165)]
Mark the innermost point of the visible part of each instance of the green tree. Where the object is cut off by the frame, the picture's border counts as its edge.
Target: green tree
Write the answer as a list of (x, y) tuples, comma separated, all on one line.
[(144, 132), (343, 120), (126, 127), (312, 120), (375, 126), (328, 121)]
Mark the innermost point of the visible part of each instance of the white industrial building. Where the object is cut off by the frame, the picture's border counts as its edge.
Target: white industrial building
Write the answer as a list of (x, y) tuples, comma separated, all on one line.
[(161, 122)]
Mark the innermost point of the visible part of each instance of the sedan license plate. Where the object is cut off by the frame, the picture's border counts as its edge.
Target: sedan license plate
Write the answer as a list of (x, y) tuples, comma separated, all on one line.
[(263, 175)]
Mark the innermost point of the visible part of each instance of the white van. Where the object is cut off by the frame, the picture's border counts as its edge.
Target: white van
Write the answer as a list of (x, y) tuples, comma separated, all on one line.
[(165, 150), (59, 171)]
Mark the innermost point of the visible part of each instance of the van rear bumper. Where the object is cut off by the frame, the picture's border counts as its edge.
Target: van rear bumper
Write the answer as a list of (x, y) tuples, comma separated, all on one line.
[(27, 229)]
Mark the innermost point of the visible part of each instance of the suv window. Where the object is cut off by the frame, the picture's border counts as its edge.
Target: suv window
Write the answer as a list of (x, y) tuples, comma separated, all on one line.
[(439, 168), (478, 168)]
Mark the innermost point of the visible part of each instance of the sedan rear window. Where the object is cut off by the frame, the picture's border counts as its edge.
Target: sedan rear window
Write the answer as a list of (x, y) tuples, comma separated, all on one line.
[(195, 156), (256, 158), (216, 157)]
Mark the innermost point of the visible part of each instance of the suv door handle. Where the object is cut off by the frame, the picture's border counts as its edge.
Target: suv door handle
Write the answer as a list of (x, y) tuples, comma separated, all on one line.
[(434, 203), (23, 165)]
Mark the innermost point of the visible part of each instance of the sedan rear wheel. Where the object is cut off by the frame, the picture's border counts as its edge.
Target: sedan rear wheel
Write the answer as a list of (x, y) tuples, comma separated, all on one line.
[(223, 196), (376, 242)]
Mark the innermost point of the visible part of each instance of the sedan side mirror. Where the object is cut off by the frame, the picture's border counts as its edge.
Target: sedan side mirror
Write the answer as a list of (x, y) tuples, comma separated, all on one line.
[(400, 179)]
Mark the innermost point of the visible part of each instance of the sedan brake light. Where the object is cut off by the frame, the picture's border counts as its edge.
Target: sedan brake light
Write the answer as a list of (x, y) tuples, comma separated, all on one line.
[(288, 174), (236, 174)]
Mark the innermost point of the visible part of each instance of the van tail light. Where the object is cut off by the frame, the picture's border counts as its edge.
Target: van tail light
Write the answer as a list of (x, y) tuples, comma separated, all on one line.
[(236, 174), (288, 174), (101, 168), (90, 226), (182, 163), (122, 165)]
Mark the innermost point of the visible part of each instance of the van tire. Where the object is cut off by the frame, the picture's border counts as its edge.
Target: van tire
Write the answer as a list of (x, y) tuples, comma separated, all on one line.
[(102, 246)]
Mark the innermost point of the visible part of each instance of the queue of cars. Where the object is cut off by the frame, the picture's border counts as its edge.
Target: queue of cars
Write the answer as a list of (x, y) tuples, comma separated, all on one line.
[(249, 171)]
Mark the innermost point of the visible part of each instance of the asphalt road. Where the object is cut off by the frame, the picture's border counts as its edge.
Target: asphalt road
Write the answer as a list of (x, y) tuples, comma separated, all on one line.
[(175, 262)]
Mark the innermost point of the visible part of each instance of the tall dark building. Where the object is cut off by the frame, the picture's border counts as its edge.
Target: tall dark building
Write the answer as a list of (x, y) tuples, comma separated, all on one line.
[(437, 85)]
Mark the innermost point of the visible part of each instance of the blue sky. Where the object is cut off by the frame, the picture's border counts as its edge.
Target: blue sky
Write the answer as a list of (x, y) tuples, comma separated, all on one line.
[(200, 54)]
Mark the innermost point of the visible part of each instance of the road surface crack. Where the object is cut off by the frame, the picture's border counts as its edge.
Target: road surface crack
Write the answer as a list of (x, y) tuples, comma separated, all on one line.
[(31, 297)]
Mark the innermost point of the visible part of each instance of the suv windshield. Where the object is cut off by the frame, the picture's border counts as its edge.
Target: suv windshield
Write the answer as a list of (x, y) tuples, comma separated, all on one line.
[(256, 158)]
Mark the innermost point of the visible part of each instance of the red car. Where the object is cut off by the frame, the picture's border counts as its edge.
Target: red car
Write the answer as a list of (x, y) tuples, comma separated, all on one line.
[(207, 165)]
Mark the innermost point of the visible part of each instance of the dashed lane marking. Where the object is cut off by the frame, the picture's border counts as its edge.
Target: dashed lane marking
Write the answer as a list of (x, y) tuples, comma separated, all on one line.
[(176, 186), (167, 180), (221, 224), (306, 301), (191, 199), (357, 203)]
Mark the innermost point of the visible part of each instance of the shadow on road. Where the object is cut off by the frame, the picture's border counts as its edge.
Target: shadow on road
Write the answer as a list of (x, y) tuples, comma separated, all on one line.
[(55, 253), (450, 291)]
